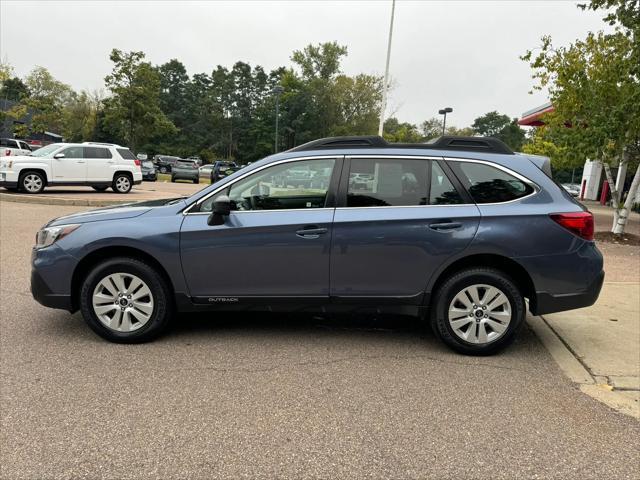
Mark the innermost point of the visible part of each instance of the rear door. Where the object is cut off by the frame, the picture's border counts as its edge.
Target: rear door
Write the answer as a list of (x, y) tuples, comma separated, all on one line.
[(99, 160), (72, 167), (398, 219)]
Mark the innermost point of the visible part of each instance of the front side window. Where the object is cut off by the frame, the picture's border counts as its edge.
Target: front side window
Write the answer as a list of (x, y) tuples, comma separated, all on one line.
[(394, 182), (488, 184), (73, 152), (294, 185)]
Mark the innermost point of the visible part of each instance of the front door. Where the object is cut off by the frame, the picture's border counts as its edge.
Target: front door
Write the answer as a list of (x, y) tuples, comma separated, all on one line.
[(72, 168), (399, 220), (276, 241)]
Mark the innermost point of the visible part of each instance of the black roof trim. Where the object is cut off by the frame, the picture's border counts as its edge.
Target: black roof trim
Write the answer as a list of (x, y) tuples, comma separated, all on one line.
[(469, 144)]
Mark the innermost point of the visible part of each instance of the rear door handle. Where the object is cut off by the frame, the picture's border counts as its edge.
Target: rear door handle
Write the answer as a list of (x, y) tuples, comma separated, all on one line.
[(311, 232), (445, 225)]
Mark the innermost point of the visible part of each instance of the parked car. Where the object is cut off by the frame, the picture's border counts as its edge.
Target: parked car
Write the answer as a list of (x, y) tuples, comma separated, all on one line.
[(205, 170), (13, 147), (572, 189), (485, 230), (196, 159), (164, 163), (185, 170), (222, 169), (99, 165), (142, 156), (149, 171)]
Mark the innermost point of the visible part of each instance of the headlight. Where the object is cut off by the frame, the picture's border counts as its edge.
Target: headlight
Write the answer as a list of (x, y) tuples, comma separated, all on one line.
[(49, 235)]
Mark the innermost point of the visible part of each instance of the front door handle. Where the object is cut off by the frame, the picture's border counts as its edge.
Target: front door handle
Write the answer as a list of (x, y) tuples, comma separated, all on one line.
[(311, 232), (445, 225)]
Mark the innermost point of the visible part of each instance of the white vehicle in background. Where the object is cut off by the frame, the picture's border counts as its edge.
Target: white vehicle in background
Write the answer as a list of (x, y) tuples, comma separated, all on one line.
[(572, 189), (98, 165), (12, 147)]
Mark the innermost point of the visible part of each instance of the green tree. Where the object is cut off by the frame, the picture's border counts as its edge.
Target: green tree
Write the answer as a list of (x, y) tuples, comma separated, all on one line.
[(133, 111), (494, 124), (595, 89), (13, 89)]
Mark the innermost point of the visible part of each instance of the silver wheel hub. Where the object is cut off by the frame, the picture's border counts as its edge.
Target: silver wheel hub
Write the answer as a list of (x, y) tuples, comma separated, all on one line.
[(32, 183), (122, 184), (479, 314), (122, 302)]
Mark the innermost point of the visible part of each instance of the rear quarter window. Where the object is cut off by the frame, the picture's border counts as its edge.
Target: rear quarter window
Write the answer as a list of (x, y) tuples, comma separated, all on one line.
[(126, 154), (487, 184)]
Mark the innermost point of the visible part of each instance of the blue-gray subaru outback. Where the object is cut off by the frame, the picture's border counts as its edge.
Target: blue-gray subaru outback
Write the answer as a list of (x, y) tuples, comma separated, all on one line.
[(459, 231)]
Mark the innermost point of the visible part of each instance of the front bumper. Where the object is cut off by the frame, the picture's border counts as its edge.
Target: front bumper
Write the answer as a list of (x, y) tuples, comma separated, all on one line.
[(6, 184), (548, 303), (51, 273)]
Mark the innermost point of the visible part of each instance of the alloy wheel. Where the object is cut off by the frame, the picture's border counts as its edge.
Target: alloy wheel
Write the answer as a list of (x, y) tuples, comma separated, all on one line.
[(480, 314), (32, 183), (122, 302), (123, 184)]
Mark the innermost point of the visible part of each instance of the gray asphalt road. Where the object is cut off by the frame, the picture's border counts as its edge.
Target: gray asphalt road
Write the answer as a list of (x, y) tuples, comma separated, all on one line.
[(282, 396)]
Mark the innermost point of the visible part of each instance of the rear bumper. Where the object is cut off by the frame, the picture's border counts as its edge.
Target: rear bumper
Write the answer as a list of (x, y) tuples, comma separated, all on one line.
[(548, 303)]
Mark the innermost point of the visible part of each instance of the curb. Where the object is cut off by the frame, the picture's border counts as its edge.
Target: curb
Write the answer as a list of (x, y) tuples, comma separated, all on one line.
[(620, 400), (47, 200)]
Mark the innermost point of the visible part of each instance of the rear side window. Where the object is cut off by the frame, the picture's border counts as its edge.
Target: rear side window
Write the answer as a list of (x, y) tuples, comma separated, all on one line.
[(96, 152), (442, 191), (488, 184), (126, 154), (6, 142), (387, 182)]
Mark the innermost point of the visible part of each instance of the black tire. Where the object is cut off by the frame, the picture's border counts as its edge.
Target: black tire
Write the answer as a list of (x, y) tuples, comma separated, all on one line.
[(28, 182), (173, 179), (458, 282), (163, 169), (196, 180), (100, 188), (122, 183), (162, 308)]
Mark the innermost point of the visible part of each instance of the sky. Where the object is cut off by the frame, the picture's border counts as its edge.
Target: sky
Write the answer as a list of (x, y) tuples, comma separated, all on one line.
[(459, 54)]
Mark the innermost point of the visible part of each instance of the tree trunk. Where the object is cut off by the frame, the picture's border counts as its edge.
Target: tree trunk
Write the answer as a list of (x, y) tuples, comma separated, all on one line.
[(624, 211), (612, 186)]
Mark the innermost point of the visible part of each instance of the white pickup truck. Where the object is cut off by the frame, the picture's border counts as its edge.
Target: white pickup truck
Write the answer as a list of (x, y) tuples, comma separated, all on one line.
[(13, 147)]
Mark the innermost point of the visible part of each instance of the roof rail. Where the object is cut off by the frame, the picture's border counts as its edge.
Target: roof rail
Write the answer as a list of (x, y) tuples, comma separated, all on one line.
[(469, 144), (101, 143)]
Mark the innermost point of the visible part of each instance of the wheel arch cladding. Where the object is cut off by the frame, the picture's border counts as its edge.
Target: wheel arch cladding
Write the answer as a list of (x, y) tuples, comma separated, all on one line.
[(106, 253), (498, 262), (28, 170)]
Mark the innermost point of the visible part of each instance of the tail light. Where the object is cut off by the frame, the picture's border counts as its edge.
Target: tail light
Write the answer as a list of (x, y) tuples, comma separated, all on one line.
[(7, 152), (137, 162), (579, 223)]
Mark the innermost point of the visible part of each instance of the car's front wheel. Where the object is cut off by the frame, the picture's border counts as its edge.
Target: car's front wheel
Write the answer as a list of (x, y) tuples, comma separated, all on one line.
[(478, 311), (124, 300), (32, 182), (163, 169)]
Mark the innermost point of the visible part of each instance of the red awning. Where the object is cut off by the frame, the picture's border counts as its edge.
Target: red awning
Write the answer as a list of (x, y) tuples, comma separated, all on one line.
[(532, 118)]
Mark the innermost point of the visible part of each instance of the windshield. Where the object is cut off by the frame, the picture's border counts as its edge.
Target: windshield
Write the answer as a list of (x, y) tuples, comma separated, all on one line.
[(184, 164), (46, 151)]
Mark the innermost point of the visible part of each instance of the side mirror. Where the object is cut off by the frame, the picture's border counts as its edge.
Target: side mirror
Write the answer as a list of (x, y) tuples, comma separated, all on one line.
[(221, 209), (58, 155)]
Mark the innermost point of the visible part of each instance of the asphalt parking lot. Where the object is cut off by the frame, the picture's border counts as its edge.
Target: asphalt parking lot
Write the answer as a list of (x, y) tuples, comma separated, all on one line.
[(228, 396)]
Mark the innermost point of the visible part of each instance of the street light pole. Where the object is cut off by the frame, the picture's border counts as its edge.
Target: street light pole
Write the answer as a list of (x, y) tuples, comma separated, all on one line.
[(444, 112), (277, 90), (386, 71)]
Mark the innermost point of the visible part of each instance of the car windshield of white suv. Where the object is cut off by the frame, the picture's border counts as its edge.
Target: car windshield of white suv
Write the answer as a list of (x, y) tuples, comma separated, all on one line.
[(46, 151)]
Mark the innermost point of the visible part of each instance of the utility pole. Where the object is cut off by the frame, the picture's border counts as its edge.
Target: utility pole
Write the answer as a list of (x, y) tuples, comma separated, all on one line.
[(277, 91), (386, 71)]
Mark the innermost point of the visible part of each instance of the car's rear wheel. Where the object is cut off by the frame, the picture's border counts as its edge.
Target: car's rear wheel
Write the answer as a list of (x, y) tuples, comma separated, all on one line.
[(478, 311), (32, 182), (173, 179), (122, 183), (125, 300), (100, 188), (163, 169), (196, 180)]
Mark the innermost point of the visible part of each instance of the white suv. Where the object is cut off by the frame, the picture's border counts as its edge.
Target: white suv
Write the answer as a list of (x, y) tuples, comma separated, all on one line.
[(99, 165)]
